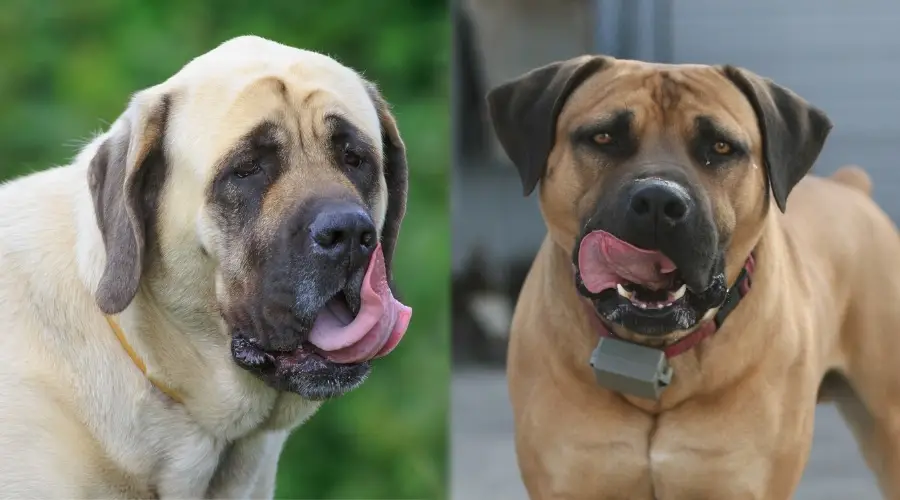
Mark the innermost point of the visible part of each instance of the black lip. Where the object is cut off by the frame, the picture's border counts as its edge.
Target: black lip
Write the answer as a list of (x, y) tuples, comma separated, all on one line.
[(616, 309), (683, 314), (303, 371)]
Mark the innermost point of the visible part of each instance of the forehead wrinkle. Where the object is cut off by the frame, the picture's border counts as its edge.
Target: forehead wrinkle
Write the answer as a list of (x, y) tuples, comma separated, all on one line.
[(303, 110), (259, 90), (596, 97), (709, 90), (701, 95)]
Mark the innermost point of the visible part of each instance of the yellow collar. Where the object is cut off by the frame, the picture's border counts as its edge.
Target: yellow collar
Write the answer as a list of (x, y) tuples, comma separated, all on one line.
[(140, 363)]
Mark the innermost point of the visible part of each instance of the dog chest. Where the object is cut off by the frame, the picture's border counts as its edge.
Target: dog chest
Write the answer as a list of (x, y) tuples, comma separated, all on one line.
[(706, 463)]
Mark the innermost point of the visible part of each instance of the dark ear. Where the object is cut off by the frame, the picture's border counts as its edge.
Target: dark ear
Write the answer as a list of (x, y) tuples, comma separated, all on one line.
[(523, 112), (125, 178), (396, 174), (793, 131)]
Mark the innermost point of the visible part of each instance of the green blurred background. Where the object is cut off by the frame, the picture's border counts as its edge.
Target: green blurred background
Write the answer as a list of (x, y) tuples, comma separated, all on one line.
[(67, 69)]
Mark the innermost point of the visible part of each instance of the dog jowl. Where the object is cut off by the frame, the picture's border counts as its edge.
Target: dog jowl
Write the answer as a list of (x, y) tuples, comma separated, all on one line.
[(300, 188), (670, 185)]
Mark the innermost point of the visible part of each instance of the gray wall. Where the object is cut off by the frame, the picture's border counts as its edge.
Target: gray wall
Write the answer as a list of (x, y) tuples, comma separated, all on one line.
[(842, 56)]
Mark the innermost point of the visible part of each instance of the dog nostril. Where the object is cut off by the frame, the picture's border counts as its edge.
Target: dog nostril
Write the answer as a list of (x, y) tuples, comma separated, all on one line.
[(367, 239), (674, 210), (328, 238), (640, 205)]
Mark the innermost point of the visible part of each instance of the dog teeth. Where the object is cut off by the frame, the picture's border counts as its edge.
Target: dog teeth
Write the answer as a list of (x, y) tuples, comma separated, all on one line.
[(678, 294), (673, 297), (623, 292), (649, 305)]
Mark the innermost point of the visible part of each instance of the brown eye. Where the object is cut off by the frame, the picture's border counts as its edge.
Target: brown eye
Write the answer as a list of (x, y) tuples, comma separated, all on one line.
[(722, 148), (603, 139)]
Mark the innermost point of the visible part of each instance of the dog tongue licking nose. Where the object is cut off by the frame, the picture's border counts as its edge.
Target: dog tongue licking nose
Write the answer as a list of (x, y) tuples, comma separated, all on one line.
[(605, 261), (376, 330)]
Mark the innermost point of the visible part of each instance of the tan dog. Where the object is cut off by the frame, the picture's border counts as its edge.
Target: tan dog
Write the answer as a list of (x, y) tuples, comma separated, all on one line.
[(237, 222), (658, 184)]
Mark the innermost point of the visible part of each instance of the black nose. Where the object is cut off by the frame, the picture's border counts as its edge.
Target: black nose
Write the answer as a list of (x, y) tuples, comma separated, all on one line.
[(343, 231), (659, 202)]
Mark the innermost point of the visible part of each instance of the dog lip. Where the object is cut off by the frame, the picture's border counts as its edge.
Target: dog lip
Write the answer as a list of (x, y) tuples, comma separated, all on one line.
[(684, 313), (303, 371)]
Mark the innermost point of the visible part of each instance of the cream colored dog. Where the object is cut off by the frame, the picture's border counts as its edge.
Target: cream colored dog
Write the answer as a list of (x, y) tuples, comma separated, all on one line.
[(203, 274)]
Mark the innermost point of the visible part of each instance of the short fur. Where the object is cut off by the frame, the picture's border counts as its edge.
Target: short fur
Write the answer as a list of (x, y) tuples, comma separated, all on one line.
[(139, 225), (819, 321)]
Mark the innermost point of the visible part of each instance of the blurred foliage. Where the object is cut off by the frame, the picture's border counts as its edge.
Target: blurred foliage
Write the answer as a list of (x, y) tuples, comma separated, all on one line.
[(67, 69)]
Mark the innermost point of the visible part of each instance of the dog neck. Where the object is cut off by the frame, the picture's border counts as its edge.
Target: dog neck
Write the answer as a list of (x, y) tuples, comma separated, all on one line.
[(172, 333), (187, 354), (139, 362)]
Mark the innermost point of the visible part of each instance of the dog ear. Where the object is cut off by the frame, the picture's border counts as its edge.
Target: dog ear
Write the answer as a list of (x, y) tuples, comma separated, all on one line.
[(793, 131), (125, 178), (524, 111), (396, 175)]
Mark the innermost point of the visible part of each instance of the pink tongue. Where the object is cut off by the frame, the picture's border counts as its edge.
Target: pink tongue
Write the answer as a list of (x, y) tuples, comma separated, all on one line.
[(605, 261), (376, 330)]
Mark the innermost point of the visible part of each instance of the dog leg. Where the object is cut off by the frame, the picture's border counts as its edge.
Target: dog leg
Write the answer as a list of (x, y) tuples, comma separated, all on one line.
[(877, 435), (265, 480), (247, 469)]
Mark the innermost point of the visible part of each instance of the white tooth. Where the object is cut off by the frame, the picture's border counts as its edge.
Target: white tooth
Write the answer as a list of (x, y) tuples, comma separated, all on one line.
[(678, 294), (623, 292)]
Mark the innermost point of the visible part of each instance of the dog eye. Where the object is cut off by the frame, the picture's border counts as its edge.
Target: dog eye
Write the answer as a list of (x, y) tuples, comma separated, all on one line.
[(722, 148), (351, 158), (603, 138), (247, 169)]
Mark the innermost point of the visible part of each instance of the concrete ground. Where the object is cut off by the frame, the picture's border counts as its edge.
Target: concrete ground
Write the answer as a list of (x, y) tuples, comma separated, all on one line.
[(484, 466)]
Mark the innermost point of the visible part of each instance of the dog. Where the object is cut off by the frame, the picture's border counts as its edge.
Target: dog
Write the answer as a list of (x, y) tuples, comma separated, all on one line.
[(683, 316), (199, 279)]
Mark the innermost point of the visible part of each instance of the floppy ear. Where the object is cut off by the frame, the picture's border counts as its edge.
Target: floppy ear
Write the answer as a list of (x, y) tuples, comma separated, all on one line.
[(523, 112), (125, 178), (793, 131), (396, 175)]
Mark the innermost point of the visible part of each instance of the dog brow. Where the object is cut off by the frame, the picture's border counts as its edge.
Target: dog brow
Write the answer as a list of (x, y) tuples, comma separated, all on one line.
[(341, 127), (708, 126), (264, 136), (617, 122)]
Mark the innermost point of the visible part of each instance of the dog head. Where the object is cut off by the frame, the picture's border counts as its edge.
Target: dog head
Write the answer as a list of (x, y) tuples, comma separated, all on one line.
[(277, 176), (657, 178)]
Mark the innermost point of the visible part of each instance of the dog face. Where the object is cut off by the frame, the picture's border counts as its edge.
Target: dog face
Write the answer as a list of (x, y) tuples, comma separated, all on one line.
[(283, 174), (656, 178)]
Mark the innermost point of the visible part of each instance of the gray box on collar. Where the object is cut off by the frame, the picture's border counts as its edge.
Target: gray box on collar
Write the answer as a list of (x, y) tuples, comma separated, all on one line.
[(630, 368)]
